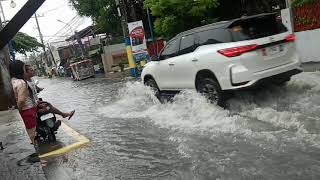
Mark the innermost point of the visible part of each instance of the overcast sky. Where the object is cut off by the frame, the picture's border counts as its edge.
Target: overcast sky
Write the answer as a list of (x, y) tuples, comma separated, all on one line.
[(49, 12)]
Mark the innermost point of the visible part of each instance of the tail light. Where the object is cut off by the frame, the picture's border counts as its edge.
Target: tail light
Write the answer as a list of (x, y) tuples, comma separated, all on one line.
[(237, 51), (291, 38)]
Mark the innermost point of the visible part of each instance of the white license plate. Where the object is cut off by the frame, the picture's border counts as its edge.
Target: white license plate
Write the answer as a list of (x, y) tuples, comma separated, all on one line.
[(47, 116), (272, 50)]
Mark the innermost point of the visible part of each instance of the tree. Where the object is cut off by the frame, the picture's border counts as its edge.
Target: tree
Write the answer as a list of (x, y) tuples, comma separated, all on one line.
[(174, 16), (24, 43), (103, 12), (171, 16)]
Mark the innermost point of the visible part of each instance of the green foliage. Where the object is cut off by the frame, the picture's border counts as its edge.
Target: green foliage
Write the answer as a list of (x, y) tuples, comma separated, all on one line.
[(102, 12), (298, 3), (25, 43), (174, 16)]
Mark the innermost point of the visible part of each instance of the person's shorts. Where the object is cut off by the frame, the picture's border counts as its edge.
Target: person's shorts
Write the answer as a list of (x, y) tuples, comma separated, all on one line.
[(29, 117)]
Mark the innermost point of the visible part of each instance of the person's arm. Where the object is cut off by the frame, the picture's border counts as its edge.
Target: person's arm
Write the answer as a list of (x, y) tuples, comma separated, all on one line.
[(22, 96)]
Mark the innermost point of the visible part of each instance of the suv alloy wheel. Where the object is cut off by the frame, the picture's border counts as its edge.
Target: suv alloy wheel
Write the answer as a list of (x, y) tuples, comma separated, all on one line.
[(211, 90)]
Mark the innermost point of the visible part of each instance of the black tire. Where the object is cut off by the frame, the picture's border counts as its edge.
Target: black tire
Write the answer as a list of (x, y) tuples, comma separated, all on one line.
[(282, 82), (212, 91), (52, 137), (153, 84)]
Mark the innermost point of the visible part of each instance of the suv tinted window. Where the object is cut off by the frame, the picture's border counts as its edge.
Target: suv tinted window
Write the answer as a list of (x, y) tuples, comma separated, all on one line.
[(214, 36), (257, 28), (170, 50), (187, 44)]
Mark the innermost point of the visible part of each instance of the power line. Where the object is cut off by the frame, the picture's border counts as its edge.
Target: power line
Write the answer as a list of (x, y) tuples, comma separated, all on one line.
[(64, 27), (73, 25), (50, 10), (53, 36)]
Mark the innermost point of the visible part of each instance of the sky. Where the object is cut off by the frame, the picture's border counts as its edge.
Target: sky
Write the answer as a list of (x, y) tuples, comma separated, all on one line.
[(49, 13)]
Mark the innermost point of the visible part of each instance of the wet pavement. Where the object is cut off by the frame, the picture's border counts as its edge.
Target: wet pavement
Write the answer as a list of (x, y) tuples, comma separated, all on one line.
[(273, 133), (15, 160)]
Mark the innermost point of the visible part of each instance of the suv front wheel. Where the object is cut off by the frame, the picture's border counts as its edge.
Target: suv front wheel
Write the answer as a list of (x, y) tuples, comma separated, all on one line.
[(152, 83), (211, 90)]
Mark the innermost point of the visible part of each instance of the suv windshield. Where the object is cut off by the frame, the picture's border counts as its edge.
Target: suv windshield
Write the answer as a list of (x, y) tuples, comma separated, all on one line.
[(255, 28)]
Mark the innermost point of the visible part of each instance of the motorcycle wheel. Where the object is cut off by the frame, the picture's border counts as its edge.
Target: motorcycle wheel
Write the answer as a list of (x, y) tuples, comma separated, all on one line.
[(52, 137)]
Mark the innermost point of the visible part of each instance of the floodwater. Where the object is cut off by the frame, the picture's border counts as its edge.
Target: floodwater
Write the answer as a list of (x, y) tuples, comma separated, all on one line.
[(272, 133)]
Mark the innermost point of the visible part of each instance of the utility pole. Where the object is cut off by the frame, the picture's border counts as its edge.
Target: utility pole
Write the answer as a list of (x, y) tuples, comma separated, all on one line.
[(54, 61), (288, 5), (41, 39), (122, 13), (2, 12)]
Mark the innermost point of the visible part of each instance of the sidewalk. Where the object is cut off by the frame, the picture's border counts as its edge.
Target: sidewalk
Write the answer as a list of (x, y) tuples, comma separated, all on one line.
[(14, 157)]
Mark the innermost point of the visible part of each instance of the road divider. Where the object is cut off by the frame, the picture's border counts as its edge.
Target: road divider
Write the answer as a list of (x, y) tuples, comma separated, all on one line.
[(81, 141)]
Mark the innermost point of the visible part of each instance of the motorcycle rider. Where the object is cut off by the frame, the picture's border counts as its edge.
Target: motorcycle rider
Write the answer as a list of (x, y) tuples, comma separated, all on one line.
[(43, 106)]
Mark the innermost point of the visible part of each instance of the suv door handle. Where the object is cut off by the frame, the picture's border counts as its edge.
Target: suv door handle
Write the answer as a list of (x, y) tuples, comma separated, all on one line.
[(194, 60), (171, 64)]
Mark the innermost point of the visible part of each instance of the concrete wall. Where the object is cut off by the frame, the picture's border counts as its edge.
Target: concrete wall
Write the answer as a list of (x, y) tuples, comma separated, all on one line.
[(308, 45), (109, 53), (308, 42)]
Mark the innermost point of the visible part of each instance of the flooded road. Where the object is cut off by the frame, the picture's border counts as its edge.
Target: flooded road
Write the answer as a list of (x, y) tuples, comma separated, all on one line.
[(269, 134)]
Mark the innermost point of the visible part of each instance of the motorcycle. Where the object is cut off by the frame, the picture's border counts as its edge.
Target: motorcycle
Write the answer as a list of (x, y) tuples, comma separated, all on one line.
[(47, 124), (47, 127)]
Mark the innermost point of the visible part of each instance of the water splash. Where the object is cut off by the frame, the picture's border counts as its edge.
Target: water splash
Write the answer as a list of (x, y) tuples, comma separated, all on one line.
[(261, 115)]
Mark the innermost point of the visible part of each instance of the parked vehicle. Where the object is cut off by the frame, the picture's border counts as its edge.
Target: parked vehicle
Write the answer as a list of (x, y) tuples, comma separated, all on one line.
[(47, 127), (225, 56), (82, 70)]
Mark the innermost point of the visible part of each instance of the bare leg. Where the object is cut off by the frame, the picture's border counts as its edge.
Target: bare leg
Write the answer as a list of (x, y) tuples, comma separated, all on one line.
[(32, 135), (57, 111)]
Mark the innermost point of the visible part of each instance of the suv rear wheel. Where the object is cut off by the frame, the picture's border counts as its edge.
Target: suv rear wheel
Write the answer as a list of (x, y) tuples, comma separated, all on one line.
[(211, 90), (153, 84)]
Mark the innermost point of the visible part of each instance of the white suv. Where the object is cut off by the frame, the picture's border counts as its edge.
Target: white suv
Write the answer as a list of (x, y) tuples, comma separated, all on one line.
[(224, 56)]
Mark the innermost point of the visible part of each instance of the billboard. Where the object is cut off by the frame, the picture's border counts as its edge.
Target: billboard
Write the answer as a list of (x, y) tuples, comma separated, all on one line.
[(138, 41)]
